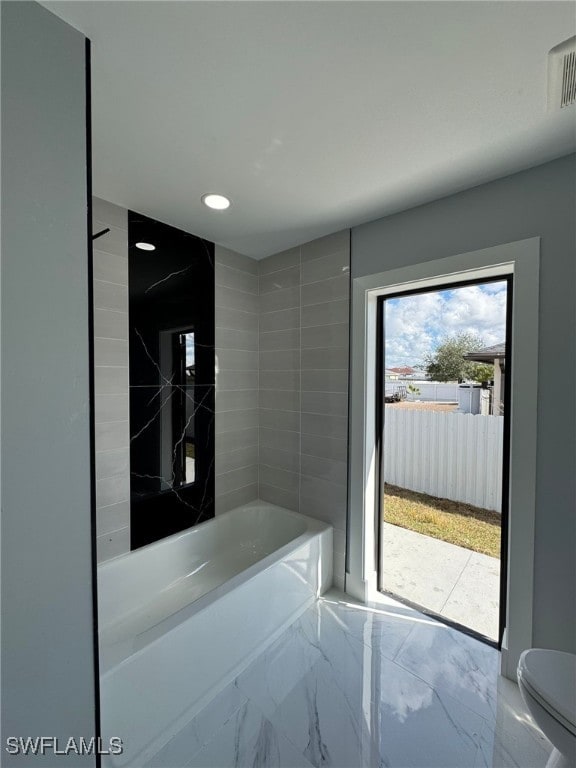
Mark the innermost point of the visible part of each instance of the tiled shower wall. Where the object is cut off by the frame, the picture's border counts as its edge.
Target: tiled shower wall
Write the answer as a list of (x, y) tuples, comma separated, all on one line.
[(303, 382), (281, 381), (111, 379), (236, 379)]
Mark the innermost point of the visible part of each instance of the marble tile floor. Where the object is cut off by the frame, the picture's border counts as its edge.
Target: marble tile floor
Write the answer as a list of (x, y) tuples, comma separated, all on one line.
[(358, 687)]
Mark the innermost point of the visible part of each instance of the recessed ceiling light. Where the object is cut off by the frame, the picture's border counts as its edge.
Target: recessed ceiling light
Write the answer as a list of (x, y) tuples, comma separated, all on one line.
[(146, 246), (216, 202)]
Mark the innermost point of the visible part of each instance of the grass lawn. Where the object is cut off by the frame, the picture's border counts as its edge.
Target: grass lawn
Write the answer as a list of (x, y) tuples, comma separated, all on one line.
[(452, 521)]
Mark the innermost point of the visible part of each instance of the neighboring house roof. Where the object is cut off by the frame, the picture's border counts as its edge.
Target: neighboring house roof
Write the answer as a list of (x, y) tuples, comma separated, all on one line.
[(487, 354), (402, 371)]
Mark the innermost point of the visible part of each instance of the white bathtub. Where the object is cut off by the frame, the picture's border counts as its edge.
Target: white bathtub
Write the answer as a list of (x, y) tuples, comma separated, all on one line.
[(179, 619)]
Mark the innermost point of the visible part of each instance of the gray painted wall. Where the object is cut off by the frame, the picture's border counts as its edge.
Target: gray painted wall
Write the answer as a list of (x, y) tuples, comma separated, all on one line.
[(540, 202), (111, 380), (236, 337), (47, 626), (303, 398)]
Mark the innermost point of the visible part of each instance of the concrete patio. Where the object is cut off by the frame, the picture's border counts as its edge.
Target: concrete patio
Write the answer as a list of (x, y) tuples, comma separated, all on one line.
[(454, 582)]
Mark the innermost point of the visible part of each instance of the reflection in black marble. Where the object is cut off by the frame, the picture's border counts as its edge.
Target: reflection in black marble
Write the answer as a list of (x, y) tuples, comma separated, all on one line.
[(171, 316)]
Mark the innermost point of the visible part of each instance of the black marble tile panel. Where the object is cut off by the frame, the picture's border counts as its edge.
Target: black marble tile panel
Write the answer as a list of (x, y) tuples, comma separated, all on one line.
[(171, 335)]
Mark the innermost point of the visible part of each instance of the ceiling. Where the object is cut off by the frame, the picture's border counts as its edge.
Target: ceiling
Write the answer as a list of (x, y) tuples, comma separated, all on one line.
[(314, 116)]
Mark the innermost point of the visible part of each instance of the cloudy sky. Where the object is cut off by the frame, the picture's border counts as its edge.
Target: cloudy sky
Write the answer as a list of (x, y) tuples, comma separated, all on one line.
[(190, 350), (415, 325)]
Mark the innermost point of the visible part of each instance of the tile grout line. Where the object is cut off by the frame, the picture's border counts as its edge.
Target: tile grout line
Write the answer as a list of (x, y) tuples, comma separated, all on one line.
[(307, 261), (239, 269), (302, 283), (111, 282), (238, 290), (112, 533), (112, 253), (116, 530)]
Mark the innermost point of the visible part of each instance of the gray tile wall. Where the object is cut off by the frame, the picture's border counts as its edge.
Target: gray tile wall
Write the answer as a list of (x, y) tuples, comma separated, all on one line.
[(236, 463), (281, 381), (236, 437), (111, 380), (303, 382)]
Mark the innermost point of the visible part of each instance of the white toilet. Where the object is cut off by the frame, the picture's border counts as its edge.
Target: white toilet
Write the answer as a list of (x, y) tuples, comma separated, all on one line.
[(547, 681)]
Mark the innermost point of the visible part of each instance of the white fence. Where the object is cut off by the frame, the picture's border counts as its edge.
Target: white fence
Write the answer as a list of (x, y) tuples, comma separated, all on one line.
[(428, 390), (454, 456)]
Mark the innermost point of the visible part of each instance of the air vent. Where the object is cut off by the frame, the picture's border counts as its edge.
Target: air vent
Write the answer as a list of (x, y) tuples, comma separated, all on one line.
[(562, 75)]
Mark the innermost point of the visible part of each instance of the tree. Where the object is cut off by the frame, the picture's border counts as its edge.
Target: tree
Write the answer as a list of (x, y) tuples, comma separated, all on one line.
[(482, 372), (447, 363)]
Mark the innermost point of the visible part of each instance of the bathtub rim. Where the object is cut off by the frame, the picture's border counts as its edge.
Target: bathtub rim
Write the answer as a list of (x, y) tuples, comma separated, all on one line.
[(173, 621), (153, 546)]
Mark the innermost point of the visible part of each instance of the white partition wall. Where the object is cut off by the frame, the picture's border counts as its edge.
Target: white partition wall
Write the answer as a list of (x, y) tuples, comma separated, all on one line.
[(48, 679)]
